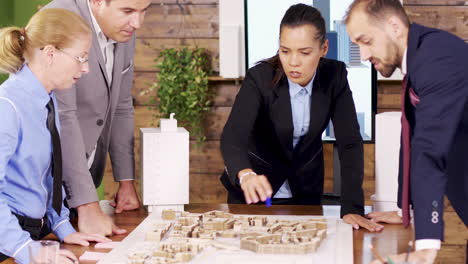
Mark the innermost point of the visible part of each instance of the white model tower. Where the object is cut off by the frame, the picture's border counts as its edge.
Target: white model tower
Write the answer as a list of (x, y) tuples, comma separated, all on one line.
[(165, 166), (387, 152)]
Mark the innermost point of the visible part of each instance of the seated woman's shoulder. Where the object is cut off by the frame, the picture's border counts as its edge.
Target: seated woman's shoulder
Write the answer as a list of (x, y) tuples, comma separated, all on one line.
[(331, 69), (331, 63), (262, 68)]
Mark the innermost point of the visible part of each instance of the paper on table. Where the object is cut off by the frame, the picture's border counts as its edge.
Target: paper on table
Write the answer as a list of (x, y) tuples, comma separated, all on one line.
[(92, 256), (107, 245)]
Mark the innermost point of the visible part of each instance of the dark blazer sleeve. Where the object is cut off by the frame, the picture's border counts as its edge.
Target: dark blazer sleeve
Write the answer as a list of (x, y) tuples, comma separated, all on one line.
[(238, 128), (350, 146), (438, 73)]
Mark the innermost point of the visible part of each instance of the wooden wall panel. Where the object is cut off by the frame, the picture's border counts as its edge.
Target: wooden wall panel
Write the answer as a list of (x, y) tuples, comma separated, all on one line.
[(213, 123), (185, 21), (388, 87), (369, 171), (453, 19), (206, 188), (451, 254), (389, 100), (141, 83), (388, 96), (207, 159), (457, 233), (369, 168), (215, 120), (328, 161), (436, 2), (147, 50), (224, 92), (456, 237)]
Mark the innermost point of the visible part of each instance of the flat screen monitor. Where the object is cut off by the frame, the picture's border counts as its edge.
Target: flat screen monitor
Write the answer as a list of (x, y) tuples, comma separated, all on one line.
[(262, 20)]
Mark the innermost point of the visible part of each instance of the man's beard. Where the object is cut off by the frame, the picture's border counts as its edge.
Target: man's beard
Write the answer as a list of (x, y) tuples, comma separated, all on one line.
[(395, 61)]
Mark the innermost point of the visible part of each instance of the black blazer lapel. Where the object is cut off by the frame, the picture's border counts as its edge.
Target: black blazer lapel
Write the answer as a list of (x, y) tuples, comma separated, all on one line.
[(281, 116)]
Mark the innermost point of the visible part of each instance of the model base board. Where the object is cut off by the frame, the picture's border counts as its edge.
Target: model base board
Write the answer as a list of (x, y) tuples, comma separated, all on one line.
[(220, 237)]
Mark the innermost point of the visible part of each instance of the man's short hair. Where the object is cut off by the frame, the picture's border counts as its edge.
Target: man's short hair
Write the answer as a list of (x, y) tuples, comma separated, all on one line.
[(378, 9)]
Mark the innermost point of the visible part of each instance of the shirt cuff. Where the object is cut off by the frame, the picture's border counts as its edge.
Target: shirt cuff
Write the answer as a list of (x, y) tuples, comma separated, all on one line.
[(427, 244), (21, 255), (400, 213), (63, 229)]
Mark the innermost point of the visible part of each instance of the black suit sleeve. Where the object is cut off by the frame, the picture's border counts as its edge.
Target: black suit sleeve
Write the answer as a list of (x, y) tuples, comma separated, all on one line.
[(350, 147), (238, 128)]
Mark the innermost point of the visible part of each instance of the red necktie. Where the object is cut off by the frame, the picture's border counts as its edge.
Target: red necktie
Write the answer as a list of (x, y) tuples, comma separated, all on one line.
[(406, 145)]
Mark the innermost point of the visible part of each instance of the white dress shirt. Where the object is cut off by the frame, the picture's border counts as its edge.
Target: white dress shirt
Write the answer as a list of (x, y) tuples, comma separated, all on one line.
[(106, 45), (107, 49)]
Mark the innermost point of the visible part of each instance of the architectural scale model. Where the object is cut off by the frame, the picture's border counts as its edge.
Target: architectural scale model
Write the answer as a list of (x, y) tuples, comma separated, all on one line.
[(183, 235), (171, 251)]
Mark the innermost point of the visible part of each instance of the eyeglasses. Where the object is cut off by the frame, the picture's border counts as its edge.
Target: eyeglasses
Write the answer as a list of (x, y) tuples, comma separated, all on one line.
[(81, 60)]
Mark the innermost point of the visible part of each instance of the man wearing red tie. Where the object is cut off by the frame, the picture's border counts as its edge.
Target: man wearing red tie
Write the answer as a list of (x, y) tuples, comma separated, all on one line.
[(434, 138)]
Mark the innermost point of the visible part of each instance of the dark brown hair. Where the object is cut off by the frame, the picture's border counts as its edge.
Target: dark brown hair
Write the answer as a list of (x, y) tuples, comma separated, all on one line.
[(378, 9), (295, 16)]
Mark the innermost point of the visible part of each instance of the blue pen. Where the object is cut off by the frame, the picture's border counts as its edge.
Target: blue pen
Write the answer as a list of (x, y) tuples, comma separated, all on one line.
[(268, 202)]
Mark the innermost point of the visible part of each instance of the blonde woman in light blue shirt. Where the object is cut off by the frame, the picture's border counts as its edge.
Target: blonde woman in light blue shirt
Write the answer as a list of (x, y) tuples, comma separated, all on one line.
[(49, 54)]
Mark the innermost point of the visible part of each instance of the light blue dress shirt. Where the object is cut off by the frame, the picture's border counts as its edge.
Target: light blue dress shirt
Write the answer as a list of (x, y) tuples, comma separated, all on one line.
[(25, 163), (300, 106)]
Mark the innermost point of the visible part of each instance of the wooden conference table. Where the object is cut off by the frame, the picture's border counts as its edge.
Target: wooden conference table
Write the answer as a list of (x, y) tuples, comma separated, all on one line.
[(393, 239)]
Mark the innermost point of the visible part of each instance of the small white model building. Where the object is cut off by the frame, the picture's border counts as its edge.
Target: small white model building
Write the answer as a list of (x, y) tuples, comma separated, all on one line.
[(165, 166), (159, 231)]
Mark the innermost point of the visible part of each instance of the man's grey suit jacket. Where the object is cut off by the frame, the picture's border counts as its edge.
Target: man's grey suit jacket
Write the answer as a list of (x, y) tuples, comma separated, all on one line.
[(94, 113)]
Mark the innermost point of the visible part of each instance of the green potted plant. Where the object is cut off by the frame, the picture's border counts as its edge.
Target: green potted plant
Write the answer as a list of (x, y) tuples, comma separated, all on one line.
[(182, 88), (3, 77)]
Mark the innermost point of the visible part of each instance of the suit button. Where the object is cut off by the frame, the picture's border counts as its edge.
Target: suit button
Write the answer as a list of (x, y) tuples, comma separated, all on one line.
[(100, 122)]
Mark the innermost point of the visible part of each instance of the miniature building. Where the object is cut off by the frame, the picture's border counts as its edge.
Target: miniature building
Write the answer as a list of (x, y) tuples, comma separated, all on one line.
[(165, 151), (214, 223), (191, 233), (158, 233), (228, 233), (168, 214), (275, 244), (174, 251)]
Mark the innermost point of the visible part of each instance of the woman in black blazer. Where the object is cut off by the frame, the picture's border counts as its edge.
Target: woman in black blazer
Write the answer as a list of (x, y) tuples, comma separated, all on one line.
[(272, 144)]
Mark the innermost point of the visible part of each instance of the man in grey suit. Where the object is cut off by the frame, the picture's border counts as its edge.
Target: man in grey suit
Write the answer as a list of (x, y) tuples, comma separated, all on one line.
[(97, 115)]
